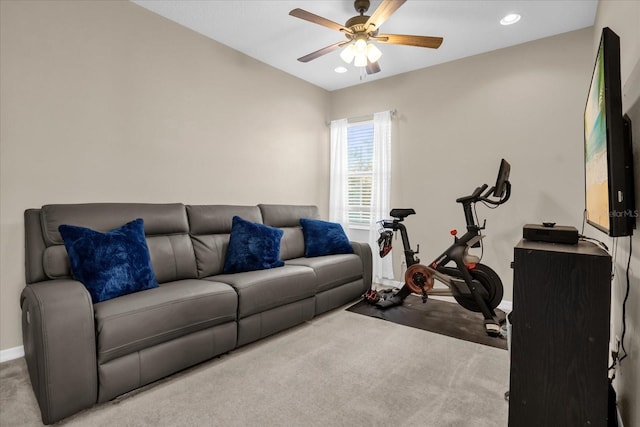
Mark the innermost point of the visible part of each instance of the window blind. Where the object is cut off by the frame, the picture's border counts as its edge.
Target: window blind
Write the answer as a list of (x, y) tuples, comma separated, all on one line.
[(360, 172)]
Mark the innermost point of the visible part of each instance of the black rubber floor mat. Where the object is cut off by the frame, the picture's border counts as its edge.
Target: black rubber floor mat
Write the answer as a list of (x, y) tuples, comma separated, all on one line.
[(441, 317)]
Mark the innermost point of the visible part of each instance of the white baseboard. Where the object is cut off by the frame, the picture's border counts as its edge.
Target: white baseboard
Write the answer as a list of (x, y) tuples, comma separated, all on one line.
[(11, 353), (506, 306)]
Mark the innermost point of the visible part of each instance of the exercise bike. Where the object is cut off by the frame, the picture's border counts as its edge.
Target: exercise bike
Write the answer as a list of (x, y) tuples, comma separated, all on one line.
[(474, 286)]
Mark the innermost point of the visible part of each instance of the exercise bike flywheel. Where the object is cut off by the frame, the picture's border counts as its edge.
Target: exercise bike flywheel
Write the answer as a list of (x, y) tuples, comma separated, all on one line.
[(418, 278), (492, 284)]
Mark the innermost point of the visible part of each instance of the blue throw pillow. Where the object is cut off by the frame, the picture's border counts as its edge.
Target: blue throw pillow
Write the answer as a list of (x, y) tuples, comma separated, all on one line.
[(252, 246), (110, 264), (324, 238)]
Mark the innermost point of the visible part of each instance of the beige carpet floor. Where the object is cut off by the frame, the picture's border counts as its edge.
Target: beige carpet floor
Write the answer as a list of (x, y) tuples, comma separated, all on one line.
[(340, 369)]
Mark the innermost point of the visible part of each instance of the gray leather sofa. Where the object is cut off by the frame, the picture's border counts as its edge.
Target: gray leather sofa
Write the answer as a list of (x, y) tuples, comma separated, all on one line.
[(80, 354)]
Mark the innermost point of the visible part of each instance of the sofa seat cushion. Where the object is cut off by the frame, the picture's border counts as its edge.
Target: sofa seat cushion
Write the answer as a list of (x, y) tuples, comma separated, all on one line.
[(262, 290), (332, 270), (136, 321)]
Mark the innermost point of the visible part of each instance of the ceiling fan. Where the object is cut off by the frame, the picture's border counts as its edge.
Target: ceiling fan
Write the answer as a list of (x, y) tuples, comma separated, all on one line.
[(360, 30)]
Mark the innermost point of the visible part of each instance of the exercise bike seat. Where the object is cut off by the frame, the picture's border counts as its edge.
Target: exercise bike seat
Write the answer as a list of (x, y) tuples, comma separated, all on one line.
[(401, 214)]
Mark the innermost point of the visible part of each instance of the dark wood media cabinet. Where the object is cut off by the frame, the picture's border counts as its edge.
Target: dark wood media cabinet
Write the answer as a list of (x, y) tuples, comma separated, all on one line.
[(559, 335)]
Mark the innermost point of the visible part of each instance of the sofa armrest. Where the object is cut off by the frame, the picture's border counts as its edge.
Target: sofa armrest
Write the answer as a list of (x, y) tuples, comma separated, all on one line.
[(363, 250), (59, 345)]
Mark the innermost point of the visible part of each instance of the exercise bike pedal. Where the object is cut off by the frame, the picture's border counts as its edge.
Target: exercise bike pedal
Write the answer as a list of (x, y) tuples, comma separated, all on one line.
[(492, 328), (389, 302)]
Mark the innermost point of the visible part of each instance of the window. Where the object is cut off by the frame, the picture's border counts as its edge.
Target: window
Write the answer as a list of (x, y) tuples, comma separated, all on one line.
[(360, 179), (360, 172)]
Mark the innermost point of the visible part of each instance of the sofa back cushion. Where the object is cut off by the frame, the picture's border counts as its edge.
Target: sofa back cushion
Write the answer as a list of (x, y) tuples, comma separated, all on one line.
[(166, 228), (287, 217), (184, 241), (210, 229)]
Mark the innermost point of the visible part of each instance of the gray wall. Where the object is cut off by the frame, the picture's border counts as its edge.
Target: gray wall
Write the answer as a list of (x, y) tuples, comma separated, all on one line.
[(623, 17), (455, 122), (105, 101)]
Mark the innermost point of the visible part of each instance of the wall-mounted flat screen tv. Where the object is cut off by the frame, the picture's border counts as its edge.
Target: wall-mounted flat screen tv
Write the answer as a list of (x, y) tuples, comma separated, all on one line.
[(608, 153)]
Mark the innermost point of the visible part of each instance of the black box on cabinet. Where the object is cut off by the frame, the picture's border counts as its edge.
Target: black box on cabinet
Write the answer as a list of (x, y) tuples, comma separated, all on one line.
[(552, 234)]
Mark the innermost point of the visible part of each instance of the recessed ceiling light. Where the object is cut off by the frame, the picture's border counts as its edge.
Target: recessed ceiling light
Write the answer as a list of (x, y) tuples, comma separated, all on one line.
[(509, 19), (340, 70)]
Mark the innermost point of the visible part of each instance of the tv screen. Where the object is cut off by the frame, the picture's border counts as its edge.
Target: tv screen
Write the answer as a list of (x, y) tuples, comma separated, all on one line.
[(609, 194)]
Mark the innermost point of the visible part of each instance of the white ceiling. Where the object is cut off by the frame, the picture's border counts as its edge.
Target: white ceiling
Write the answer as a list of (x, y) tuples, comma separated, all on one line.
[(264, 30)]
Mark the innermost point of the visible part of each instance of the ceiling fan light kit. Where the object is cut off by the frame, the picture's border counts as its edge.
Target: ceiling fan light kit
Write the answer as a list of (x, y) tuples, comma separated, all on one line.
[(360, 52), (348, 53), (360, 61), (360, 30), (373, 53)]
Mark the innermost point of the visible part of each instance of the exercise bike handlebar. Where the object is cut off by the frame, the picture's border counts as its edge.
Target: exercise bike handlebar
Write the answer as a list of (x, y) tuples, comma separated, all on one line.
[(503, 198), (474, 197), (480, 190), (477, 195)]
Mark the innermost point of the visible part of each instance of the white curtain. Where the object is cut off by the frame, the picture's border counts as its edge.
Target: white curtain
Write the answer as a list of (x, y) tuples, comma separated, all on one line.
[(338, 191), (380, 191)]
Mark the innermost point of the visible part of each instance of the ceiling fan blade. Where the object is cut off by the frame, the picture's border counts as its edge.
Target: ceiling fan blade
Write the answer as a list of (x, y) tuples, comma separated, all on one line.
[(318, 53), (308, 16), (383, 12), (420, 41), (372, 67)]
